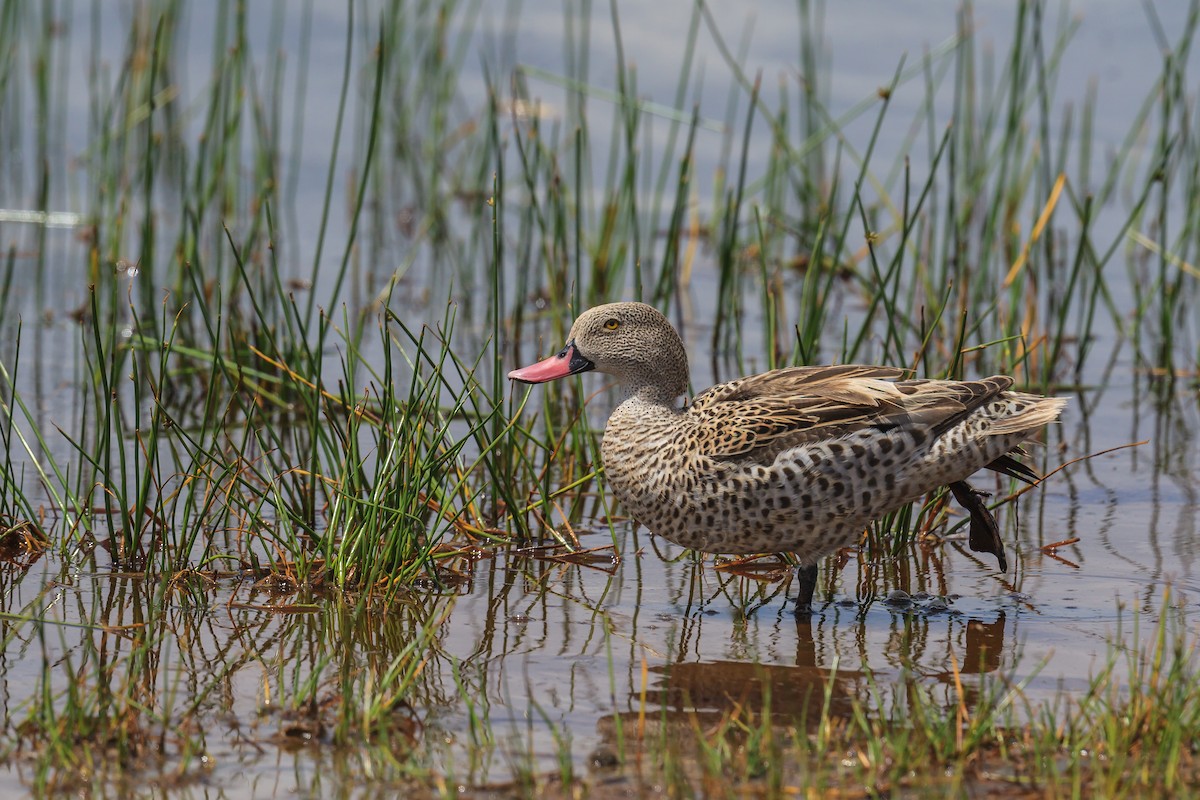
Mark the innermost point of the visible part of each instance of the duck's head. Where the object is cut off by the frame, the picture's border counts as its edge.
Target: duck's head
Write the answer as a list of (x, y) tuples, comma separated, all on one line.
[(633, 342)]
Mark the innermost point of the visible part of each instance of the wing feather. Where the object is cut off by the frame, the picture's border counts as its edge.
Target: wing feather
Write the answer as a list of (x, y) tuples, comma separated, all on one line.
[(756, 418)]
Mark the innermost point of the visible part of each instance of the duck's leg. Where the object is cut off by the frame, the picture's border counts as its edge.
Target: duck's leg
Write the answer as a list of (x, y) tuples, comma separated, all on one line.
[(985, 533), (807, 574)]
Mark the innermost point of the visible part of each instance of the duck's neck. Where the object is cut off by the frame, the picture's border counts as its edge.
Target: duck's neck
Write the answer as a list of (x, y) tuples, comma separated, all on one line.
[(650, 395), (661, 384), (641, 415), (640, 426)]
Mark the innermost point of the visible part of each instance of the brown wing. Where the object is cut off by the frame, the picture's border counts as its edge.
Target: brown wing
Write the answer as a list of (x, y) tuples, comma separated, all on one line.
[(755, 418)]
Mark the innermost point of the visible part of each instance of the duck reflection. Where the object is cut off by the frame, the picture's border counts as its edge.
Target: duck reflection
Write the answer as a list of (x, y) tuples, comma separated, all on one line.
[(823, 670)]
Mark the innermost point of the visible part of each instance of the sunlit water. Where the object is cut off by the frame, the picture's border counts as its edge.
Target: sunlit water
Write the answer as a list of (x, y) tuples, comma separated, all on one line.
[(548, 648)]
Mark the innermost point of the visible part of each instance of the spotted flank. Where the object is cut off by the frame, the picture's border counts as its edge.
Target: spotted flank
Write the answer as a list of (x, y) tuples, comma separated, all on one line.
[(794, 460)]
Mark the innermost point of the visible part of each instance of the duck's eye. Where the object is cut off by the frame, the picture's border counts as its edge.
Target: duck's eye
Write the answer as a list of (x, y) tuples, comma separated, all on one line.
[(611, 325)]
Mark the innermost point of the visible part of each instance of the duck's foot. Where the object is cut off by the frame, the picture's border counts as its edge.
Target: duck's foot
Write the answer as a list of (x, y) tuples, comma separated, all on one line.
[(807, 575), (985, 533)]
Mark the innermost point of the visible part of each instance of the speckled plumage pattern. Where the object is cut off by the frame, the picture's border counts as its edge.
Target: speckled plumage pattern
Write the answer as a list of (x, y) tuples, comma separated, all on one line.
[(794, 460)]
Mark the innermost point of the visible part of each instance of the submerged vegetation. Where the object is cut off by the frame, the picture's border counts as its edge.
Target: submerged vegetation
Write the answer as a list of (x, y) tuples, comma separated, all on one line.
[(255, 417)]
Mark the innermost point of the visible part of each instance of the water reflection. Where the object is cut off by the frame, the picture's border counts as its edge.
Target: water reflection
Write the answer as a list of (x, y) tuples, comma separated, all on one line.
[(845, 665), (184, 671), (546, 650), (530, 649), (791, 689)]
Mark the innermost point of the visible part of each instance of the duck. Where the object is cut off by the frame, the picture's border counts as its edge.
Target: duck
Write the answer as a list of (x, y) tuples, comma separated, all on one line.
[(794, 460)]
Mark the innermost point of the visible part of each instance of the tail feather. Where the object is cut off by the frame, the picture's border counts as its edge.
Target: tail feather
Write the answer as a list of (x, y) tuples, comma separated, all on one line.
[(1037, 411), (1027, 414)]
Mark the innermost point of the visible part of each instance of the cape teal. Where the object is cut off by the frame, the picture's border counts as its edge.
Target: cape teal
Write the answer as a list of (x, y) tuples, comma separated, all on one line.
[(798, 459)]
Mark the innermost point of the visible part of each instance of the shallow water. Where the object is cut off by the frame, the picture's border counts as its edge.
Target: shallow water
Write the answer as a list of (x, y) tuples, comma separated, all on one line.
[(548, 648)]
